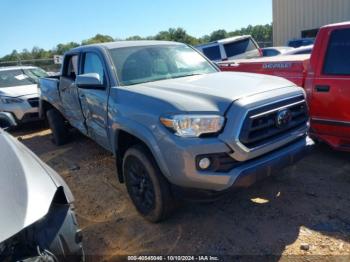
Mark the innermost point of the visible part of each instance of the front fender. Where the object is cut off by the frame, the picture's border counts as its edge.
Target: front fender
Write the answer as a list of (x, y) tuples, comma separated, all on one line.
[(145, 135)]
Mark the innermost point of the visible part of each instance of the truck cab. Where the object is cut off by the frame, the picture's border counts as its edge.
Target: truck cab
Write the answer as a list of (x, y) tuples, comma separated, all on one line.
[(325, 76), (236, 47)]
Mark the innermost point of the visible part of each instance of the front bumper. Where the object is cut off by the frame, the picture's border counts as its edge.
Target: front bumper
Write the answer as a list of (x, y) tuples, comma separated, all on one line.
[(17, 113), (184, 172)]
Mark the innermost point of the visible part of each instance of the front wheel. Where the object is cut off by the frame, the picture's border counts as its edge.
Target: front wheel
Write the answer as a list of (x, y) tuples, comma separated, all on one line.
[(146, 185)]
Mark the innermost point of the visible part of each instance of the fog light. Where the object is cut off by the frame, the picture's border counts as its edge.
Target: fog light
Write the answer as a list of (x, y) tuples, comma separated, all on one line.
[(204, 163)]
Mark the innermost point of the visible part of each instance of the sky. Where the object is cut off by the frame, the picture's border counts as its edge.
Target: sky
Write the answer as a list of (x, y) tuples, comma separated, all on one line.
[(43, 23)]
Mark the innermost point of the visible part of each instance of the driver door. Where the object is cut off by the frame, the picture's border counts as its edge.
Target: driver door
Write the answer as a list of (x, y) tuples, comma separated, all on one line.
[(69, 93), (94, 100)]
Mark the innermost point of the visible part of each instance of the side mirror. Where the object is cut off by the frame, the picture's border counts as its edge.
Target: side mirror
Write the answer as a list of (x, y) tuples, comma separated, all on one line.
[(89, 81)]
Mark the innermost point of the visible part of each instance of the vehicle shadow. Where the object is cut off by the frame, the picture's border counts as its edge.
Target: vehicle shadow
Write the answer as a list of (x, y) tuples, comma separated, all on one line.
[(28, 128), (267, 222), (310, 201)]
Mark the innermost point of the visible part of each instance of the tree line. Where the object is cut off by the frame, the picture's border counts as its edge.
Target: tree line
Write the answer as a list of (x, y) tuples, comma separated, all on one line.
[(261, 33)]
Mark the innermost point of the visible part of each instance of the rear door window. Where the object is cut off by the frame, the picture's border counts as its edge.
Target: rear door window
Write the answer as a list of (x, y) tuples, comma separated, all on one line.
[(239, 47), (337, 60), (212, 52)]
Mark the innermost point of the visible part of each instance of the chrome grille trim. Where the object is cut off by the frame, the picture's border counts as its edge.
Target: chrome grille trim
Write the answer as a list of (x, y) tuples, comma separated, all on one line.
[(260, 128), (277, 109)]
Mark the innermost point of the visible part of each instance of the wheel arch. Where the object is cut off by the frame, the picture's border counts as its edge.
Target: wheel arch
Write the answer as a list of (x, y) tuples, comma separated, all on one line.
[(124, 139)]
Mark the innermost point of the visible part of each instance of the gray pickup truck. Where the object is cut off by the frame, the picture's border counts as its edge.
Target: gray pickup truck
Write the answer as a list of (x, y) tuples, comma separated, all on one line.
[(175, 122)]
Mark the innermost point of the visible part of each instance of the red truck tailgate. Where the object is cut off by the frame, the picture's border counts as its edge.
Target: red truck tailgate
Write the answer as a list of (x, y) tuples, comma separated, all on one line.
[(292, 67)]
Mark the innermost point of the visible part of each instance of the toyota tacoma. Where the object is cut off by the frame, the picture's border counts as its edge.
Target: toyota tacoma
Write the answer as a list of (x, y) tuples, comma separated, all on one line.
[(173, 120)]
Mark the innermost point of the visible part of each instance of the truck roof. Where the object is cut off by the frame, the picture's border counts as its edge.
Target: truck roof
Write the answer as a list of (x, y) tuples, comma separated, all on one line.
[(226, 40), (346, 23), (121, 44), (5, 68)]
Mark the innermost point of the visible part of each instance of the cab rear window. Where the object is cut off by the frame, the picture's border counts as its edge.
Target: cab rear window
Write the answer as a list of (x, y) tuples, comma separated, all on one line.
[(239, 47), (212, 52)]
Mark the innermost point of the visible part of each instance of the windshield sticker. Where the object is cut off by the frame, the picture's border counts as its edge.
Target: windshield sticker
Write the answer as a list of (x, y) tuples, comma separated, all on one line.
[(21, 77)]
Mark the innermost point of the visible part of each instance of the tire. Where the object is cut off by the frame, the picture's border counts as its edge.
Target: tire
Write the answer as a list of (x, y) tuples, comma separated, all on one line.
[(147, 187), (57, 126)]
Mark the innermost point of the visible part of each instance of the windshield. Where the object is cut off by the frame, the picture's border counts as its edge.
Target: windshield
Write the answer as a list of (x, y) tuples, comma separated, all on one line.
[(20, 77), (142, 64), (35, 73)]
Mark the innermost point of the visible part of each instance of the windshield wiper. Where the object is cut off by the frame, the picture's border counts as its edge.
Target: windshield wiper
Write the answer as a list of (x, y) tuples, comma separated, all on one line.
[(160, 79)]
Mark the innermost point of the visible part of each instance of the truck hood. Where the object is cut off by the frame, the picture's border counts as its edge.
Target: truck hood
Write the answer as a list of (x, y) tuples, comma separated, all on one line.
[(17, 91), (26, 187), (211, 92)]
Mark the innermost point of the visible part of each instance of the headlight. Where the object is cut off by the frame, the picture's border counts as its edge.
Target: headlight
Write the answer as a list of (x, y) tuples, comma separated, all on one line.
[(10, 100), (193, 125)]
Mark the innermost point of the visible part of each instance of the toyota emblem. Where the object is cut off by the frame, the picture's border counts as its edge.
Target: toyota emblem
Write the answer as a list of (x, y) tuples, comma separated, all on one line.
[(283, 118)]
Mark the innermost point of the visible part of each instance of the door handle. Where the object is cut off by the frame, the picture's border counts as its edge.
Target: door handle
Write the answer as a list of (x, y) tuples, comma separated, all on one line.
[(323, 89), (82, 96)]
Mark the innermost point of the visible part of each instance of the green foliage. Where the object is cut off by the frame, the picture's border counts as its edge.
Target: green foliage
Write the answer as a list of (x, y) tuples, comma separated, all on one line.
[(217, 35), (98, 39), (133, 38), (261, 33), (177, 35), (62, 48)]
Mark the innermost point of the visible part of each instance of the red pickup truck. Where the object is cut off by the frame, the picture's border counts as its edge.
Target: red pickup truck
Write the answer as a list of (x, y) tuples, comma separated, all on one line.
[(325, 76)]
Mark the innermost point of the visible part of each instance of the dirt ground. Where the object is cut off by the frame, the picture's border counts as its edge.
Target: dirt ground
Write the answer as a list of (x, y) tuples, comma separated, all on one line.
[(305, 213)]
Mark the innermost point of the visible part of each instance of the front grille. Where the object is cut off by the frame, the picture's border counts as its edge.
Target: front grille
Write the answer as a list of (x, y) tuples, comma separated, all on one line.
[(34, 102), (264, 124)]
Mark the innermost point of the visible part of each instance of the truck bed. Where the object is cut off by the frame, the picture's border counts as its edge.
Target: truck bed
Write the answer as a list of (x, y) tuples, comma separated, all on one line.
[(291, 67)]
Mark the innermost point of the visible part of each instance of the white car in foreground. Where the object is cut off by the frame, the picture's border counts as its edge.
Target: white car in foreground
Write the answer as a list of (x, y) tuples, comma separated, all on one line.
[(37, 219)]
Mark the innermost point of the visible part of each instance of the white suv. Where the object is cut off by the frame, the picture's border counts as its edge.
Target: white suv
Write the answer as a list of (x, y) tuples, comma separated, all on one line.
[(19, 99), (237, 47)]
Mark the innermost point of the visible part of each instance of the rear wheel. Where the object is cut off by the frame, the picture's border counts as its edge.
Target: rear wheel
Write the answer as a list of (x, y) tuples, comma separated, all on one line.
[(58, 127), (146, 185)]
